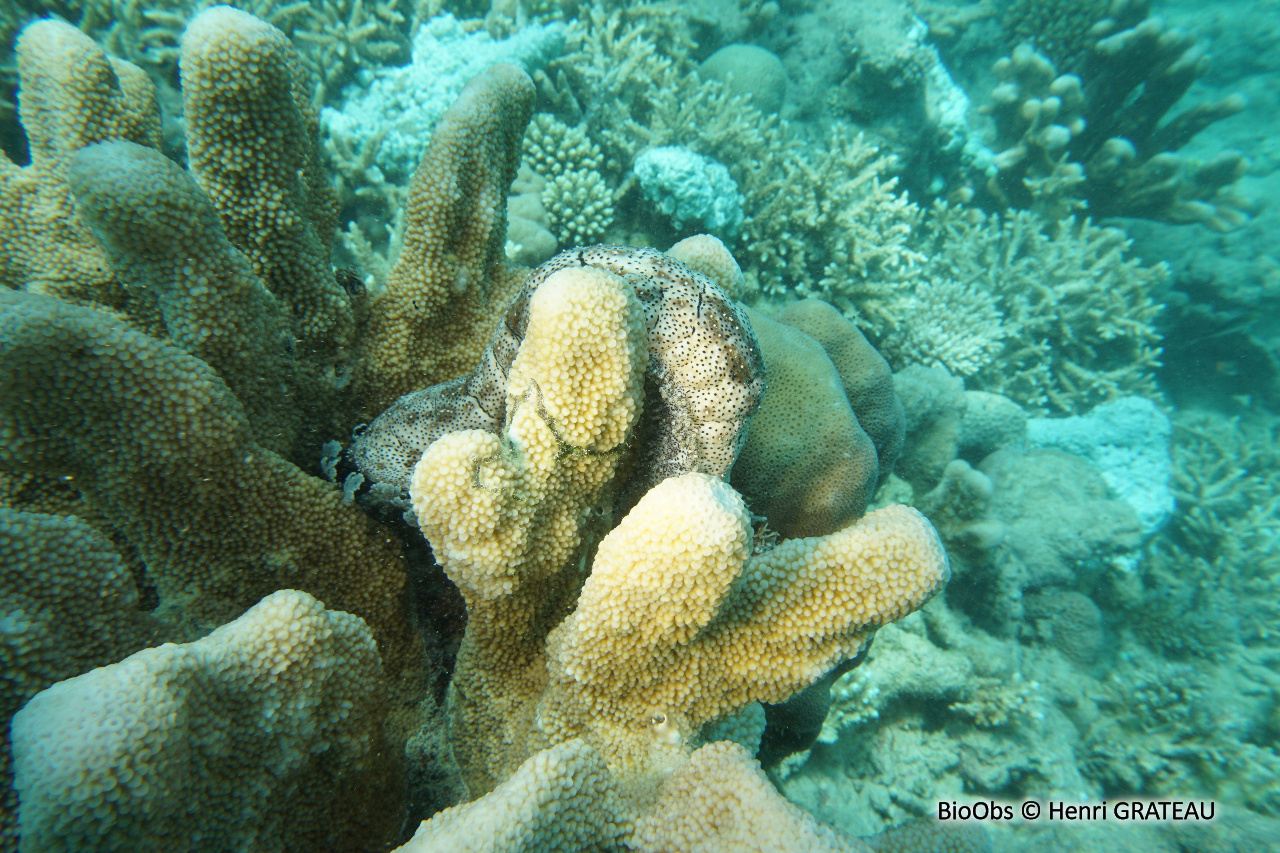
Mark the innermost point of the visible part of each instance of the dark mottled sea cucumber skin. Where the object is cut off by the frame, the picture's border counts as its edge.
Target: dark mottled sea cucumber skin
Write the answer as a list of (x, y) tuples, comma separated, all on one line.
[(698, 403)]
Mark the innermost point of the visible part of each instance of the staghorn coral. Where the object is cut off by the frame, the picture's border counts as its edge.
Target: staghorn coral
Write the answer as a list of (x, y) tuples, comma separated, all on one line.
[(1178, 727), (266, 734), (1079, 314), (1206, 581), (942, 322), (1102, 137), (334, 37), (612, 65), (1223, 469), (346, 35), (1056, 316), (628, 80), (824, 222)]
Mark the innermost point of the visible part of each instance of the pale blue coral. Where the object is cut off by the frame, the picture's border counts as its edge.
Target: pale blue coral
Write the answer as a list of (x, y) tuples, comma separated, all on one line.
[(690, 188), (411, 99), (1128, 440)]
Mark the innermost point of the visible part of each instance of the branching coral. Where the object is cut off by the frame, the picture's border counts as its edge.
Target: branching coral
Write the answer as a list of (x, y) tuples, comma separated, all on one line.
[(160, 416), (228, 740), (73, 96), (1061, 28), (691, 625), (1208, 581), (438, 308), (1077, 315), (822, 222), (69, 605), (623, 397), (578, 201), (1055, 315), (251, 141), (1103, 135), (1174, 729)]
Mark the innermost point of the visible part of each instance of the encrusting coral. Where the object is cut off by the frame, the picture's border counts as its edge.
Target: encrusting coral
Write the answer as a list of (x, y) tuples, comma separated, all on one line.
[(619, 598)]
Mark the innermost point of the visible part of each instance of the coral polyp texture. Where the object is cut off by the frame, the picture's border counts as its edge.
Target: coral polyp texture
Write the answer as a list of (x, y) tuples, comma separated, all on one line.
[(706, 374), (372, 473), (219, 740), (176, 348), (679, 622)]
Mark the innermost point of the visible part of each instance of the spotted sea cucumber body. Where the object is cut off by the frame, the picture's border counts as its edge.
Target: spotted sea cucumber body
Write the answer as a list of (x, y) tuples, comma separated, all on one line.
[(705, 377)]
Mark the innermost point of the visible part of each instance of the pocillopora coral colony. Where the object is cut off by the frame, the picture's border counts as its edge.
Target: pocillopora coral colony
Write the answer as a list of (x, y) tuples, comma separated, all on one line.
[(538, 427)]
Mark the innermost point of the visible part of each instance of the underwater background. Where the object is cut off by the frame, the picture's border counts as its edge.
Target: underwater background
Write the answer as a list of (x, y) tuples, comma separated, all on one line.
[(916, 449)]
